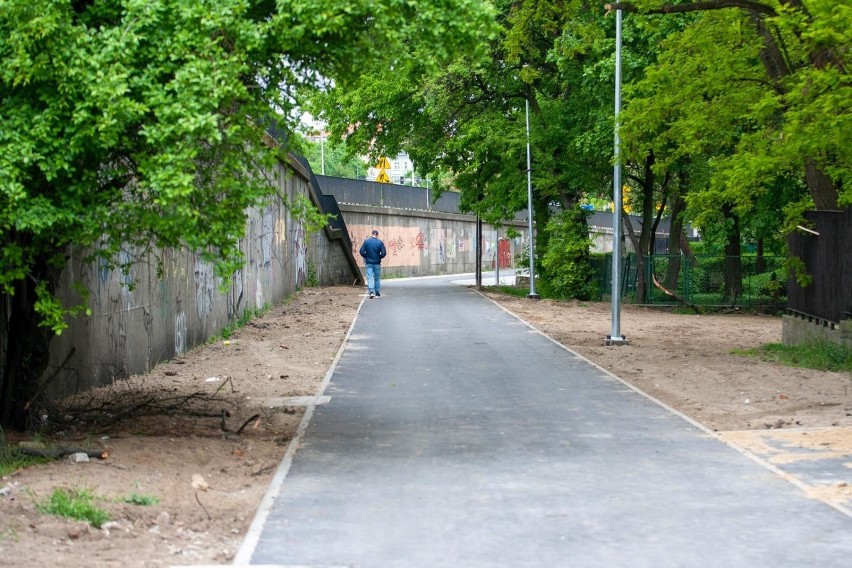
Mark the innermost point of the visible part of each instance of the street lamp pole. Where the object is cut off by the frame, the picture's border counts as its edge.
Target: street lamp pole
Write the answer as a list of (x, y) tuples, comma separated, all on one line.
[(615, 337), (532, 293), (322, 153)]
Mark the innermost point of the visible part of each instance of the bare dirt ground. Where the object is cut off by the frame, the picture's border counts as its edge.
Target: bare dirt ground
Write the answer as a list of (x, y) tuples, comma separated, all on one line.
[(209, 470)]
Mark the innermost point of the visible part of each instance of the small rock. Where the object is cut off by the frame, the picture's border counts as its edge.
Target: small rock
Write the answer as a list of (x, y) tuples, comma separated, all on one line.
[(5, 491), (78, 457), (77, 531), (110, 525), (198, 482)]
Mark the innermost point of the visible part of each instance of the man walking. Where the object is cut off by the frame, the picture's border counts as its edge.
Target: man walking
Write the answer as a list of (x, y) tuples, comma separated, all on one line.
[(373, 251)]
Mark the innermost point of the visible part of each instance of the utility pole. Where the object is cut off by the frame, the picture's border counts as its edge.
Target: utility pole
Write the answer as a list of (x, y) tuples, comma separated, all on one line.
[(532, 295), (615, 337)]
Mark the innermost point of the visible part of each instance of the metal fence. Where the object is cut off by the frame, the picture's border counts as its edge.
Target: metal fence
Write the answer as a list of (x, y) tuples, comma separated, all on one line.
[(364, 192), (743, 281)]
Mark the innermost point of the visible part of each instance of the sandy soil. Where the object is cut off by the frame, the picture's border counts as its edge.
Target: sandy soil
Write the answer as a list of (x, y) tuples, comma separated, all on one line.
[(209, 469)]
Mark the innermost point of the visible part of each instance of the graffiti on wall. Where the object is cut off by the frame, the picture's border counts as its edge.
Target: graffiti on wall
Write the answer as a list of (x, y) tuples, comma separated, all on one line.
[(180, 333), (408, 246), (267, 236), (300, 253), (236, 294), (419, 242), (205, 288), (504, 254), (258, 293)]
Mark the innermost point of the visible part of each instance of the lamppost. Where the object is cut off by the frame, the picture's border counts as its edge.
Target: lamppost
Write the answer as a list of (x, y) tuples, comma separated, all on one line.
[(615, 337), (532, 294), (322, 152)]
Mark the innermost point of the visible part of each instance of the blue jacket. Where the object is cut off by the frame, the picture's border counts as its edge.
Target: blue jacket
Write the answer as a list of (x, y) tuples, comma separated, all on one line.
[(373, 251)]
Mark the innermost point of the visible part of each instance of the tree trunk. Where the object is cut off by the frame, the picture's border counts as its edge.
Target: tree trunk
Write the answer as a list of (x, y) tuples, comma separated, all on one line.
[(27, 353), (643, 252), (733, 256), (760, 261), (822, 189), (634, 240), (677, 204)]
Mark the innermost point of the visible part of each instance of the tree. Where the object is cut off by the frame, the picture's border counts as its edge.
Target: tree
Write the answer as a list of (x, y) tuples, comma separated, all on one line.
[(337, 161), (709, 102), (469, 117), (138, 124), (802, 47)]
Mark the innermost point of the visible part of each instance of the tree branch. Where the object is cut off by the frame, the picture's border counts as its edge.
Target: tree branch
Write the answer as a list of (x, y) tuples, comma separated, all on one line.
[(750, 5)]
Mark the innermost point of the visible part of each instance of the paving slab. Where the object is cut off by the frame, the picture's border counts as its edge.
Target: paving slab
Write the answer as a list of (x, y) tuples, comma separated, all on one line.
[(456, 435)]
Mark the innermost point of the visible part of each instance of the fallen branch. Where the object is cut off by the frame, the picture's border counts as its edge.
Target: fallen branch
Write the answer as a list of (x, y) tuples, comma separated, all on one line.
[(226, 414), (680, 300), (209, 518), (135, 405), (255, 419), (62, 452)]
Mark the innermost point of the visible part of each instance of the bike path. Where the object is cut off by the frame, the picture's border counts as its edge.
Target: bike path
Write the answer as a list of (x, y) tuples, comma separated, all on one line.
[(458, 436)]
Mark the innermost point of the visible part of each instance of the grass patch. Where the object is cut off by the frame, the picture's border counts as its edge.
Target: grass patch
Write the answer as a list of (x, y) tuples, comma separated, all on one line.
[(238, 323), (820, 355), (143, 500), (12, 459), (77, 505), (518, 292)]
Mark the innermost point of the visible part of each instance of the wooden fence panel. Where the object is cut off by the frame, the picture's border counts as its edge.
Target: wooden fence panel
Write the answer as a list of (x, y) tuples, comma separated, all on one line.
[(827, 256)]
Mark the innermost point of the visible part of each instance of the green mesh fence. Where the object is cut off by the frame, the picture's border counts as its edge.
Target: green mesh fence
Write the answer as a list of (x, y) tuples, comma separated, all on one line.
[(742, 281)]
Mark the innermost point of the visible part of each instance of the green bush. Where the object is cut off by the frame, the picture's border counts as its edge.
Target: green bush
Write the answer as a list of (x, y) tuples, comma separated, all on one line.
[(565, 264)]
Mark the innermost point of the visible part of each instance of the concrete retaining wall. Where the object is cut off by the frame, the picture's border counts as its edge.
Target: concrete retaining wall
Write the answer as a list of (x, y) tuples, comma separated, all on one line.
[(425, 243), (143, 318), (797, 330)]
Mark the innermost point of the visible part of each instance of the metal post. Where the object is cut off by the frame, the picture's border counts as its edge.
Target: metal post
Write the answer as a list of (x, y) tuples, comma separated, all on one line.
[(478, 253), (615, 337), (497, 254), (532, 293)]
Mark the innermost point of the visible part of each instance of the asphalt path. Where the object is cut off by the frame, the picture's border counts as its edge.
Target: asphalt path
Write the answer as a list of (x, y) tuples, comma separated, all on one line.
[(456, 435)]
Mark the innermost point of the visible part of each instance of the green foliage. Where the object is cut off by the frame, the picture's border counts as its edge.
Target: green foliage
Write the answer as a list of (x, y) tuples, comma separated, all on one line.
[(312, 280), (306, 213), (131, 127), (796, 267), (822, 355), (74, 504), (143, 500), (53, 314), (715, 99), (336, 156), (140, 124), (566, 260)]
